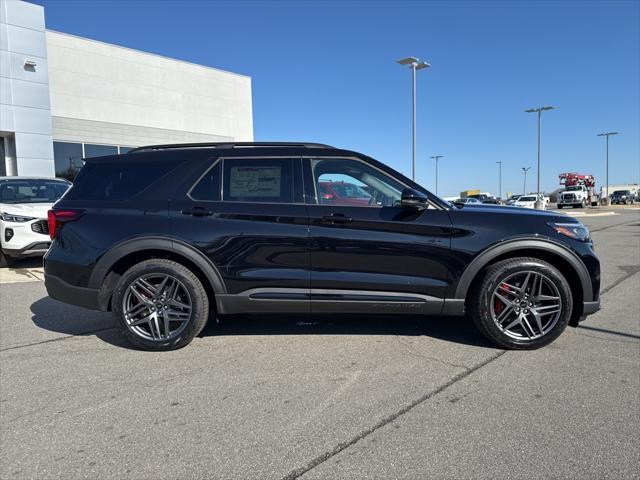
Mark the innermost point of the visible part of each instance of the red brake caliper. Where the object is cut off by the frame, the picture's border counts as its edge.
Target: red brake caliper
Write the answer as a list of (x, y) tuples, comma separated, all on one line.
[(498, 306)]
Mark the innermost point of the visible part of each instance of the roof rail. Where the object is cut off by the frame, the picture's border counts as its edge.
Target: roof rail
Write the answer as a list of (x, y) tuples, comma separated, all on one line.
[(229, 145)]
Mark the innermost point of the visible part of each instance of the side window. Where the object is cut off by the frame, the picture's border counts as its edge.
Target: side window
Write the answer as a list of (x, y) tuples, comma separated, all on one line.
[(268, 180), (352, 183), (208, 188)]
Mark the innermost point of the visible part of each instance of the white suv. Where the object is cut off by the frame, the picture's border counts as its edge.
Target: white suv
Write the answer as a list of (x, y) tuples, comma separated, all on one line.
[(24, 202)]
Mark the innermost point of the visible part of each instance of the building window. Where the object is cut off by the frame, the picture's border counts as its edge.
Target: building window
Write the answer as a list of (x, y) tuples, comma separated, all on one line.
[(68, 159), (3, 159), (99, 150)]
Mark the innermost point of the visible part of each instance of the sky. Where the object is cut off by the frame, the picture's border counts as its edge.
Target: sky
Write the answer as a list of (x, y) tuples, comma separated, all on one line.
[(326, 71)]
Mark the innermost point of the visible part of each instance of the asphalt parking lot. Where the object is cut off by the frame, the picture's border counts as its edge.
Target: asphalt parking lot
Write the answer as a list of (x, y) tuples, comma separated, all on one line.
[(325, 397)]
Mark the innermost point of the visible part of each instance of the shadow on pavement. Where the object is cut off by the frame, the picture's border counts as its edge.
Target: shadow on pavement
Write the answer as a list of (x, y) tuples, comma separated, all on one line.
[(69, 320)]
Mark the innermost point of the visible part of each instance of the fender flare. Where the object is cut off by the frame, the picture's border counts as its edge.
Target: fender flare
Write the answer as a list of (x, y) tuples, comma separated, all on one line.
[(479, 262), (109, 259)]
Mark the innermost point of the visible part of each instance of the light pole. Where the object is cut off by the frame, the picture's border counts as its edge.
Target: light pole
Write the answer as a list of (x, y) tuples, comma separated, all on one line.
[(415, 64), (539, 203), (499, 180), (524, 188), (608, 134), (436, 158)]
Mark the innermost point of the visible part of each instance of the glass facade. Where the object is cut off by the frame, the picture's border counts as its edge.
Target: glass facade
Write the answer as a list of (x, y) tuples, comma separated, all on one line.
[(68, 156), (99, 150), (3, 160), (68, 159)]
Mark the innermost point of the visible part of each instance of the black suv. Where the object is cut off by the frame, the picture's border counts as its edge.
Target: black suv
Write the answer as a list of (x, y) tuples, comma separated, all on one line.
[(168, 236)]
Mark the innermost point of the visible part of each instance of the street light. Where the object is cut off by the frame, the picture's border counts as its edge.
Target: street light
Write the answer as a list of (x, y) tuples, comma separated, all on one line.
[(415, 64), (436, 158), (499, 180), (524, 188), (608, 134), (539, 203)]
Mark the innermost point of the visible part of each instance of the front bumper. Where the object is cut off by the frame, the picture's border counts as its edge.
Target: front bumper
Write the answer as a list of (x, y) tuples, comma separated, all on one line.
[(590, 307), (34, 249)]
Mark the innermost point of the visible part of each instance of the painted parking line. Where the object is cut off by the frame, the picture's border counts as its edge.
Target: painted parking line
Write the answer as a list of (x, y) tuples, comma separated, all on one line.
[(16, 275), (585, 214)]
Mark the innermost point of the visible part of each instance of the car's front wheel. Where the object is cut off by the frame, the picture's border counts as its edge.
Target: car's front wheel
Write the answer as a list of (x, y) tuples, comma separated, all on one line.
[(5, 261), (160, 305), (521, 303)]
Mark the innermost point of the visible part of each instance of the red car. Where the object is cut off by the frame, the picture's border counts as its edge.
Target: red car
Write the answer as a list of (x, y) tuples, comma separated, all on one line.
[(343, 193)]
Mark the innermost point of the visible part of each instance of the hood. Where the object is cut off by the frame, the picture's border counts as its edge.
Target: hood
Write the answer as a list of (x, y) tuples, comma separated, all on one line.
[(36, 210), (484, 209)]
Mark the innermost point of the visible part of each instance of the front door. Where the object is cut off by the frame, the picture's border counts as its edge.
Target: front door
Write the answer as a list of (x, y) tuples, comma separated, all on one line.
[(248, 217), (369, 254)]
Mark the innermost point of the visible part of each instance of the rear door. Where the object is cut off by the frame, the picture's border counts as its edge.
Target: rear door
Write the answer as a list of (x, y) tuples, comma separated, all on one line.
[(369, 254), (247, 215)]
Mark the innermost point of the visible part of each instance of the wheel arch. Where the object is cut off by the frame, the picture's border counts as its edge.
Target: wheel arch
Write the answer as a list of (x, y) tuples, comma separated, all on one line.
[(115, 262), (560, 257)]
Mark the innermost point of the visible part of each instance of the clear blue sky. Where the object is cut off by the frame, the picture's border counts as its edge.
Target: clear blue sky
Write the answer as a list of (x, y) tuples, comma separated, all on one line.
[(326, 72)]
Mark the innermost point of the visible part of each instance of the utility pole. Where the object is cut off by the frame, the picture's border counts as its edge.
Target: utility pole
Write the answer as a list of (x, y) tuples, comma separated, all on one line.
[(524, 188), (499, 180), (608, 134), (436, 158), (415, 65), (540, 203)]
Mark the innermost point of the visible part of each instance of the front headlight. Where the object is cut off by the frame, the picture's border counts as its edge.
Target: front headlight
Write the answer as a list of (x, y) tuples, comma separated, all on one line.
[(577, 231), (8, 217)]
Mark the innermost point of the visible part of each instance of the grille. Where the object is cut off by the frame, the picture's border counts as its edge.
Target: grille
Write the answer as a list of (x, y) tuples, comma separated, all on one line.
[(568, 196), (41, 226)]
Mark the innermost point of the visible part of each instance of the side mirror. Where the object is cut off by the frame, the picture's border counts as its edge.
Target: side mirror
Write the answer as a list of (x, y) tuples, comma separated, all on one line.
[(414, 199)]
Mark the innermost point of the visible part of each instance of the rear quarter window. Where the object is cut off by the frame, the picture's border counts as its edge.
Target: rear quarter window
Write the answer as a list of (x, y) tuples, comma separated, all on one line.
[(118, 180)]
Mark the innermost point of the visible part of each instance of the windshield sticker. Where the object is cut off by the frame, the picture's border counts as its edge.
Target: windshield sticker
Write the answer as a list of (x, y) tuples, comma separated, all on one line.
[(255, 181)]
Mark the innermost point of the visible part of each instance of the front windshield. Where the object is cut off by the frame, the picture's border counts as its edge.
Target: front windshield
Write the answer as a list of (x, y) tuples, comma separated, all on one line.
[(527, 199), (574, 187), (621, 192), (31, 191)]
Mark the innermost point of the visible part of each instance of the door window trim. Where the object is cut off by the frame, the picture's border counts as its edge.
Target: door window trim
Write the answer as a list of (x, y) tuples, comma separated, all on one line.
[(307, 172), (221, 160)]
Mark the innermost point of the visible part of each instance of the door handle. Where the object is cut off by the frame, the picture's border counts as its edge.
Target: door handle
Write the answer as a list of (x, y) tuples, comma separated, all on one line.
[(336, 218), (197, 212)]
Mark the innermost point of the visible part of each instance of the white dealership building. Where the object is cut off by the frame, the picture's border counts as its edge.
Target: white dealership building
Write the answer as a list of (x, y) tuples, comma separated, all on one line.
[(64, 98)]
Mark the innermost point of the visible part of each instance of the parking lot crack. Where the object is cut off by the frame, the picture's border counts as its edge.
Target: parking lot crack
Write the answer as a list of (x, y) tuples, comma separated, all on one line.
[(297, 473), (81, 334)]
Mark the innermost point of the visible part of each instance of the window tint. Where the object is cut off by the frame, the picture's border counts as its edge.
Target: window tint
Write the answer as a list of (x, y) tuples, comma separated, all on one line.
[(208, 188), (118, 180), (125, 149), (352, 183), (269, 180)]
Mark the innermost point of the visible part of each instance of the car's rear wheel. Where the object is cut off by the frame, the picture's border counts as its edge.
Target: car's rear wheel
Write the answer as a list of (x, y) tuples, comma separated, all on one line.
[(521, 303), (160, 305)]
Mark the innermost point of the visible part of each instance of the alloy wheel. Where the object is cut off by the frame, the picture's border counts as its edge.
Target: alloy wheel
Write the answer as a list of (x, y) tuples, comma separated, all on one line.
[(526, 305), (156, 307)]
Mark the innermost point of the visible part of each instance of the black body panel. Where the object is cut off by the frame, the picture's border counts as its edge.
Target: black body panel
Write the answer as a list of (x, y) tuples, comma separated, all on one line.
[(261, 256)]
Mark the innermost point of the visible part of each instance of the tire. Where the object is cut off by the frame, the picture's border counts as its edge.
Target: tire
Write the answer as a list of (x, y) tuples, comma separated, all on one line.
[(182, 289), (5, 261), (483, 304), (560, 207), (583, 204)]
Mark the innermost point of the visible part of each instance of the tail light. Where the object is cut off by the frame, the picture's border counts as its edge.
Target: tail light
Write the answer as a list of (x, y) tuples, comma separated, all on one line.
[(57, 218)]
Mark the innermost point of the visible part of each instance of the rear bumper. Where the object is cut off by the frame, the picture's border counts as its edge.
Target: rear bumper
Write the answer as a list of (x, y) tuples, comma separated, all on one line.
[(60, 290)]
